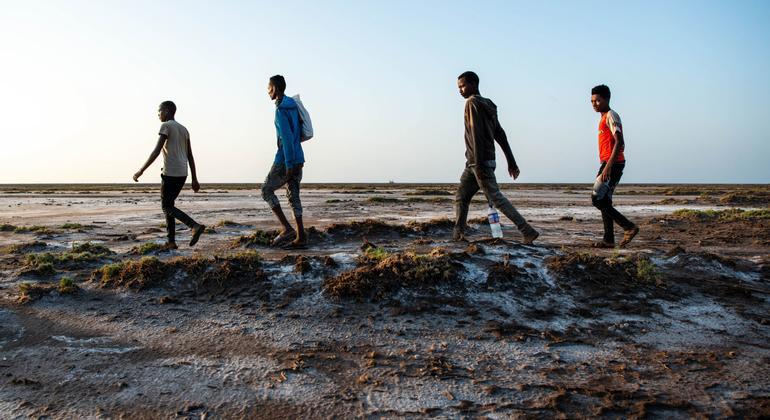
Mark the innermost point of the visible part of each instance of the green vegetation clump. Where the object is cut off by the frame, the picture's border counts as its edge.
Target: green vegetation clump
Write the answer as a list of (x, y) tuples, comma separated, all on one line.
[(746, 197), (383, 276), (728, 215), (42, 230), (205, 274), (30, 292), (375, 253), (146, 248), (5, 227), (647, 272), (74, 226), (22, 247), (40, 264), (433, 224), (91, 248), (615, 271), (45, 263), (258, 238), (67, 286), (132, 274)]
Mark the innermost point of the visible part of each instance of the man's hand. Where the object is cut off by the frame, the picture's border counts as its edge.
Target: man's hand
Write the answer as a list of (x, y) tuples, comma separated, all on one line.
[(605, 175), (195, 185), (137, 175), (514, 171)]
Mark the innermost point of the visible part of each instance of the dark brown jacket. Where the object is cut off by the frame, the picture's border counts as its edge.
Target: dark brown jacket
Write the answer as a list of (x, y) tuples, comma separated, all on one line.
[(482, 129)]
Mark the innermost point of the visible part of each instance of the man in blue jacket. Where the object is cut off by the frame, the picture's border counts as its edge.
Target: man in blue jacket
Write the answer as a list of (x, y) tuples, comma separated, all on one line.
[(287, 166)]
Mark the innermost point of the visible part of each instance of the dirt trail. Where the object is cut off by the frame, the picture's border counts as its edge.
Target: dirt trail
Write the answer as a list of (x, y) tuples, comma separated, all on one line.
[(386, 317)]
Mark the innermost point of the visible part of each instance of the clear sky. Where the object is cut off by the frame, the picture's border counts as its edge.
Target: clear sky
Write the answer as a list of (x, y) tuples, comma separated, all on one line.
[(80, 82)]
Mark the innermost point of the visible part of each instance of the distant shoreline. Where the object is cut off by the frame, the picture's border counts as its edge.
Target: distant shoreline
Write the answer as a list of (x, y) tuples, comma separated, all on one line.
[(17, 188)]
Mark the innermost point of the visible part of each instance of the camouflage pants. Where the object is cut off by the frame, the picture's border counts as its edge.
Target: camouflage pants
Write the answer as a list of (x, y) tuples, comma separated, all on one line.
[(484, 178), (277, 178)]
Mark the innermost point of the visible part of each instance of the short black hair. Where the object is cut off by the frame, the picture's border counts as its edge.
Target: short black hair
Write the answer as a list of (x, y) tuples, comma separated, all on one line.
[(601, 90), (279, 82), (168, 105), (469, 76)]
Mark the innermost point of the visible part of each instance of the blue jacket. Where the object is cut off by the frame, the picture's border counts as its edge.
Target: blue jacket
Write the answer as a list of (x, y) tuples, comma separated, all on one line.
[(288, 128)]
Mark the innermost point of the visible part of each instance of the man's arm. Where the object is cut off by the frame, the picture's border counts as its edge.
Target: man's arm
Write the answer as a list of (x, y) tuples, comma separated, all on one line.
[(502, 139), (195, 185), (477, 131), (619, 145), (154, 155), (286, 137)]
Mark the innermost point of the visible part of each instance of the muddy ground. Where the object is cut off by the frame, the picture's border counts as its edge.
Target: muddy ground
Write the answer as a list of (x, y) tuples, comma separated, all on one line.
[(384, 316)]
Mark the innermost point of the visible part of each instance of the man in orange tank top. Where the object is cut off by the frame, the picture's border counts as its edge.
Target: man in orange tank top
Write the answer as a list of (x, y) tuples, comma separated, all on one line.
[(613, 161)]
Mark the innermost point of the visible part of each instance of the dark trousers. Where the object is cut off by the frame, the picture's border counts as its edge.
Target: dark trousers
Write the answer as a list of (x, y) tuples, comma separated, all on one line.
[(170, 187), (610, 215), (483, 178)]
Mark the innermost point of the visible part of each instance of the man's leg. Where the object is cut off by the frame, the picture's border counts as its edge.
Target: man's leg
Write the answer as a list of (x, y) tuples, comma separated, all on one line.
[(629, 229), (170, 187), (275, 179), (292, 193), (465, 191), (610, 215), (488, 183)]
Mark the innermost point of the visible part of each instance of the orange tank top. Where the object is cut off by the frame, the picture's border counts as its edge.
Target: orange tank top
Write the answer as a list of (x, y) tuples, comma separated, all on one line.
[(607, 141)]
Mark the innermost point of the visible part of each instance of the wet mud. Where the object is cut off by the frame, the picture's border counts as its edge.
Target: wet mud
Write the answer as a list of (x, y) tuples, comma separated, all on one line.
[(383, 315)]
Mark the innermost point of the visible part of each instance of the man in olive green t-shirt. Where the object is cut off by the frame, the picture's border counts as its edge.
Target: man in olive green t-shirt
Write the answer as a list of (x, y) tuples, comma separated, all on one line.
[(174, 142)]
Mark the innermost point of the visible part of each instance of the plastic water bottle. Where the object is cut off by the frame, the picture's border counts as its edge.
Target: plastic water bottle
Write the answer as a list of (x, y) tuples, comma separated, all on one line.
[(494, 222)]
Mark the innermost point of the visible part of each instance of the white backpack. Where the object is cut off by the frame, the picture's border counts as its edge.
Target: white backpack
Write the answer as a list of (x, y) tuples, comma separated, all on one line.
[(304, 120)]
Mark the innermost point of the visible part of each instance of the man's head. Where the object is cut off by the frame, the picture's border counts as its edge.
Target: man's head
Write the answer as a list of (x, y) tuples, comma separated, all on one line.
[(166, 111), (276, 87), (468, 83), (600, 98)]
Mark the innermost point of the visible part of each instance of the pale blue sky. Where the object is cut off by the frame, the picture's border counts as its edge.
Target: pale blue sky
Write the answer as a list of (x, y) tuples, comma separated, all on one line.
[(80, 82)]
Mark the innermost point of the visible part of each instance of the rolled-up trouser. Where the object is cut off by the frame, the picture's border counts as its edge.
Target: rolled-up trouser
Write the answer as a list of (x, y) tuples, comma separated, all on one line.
[(170, 187), (277, 178), (483, 178), (603, 202)]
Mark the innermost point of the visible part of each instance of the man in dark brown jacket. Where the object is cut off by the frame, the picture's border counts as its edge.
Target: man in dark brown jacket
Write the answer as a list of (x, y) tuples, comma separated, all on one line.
[(482, 129)]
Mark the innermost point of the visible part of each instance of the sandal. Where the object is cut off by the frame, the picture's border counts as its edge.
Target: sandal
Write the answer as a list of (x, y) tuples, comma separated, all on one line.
[(284, 236), (628, 235)]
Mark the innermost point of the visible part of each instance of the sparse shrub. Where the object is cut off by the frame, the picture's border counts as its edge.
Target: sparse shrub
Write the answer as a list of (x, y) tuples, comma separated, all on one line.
[(67, 286), (30, 292), (381, 278), (33, 229), (40, 264), (727, 215), (146, 248), (91, 248), (258, 238), (22, 247), (646, 271), (376, 253), (73, 226)]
